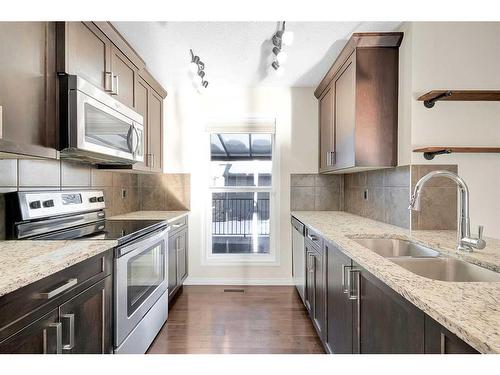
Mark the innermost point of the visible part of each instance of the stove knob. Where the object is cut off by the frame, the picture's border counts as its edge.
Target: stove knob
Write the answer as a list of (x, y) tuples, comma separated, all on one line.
[(100, 199), (49, 203), (93, 199), (35, 204)]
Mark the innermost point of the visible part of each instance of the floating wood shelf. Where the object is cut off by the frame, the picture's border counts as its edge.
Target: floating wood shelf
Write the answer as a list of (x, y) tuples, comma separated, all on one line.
[(432, 97), (430, 152)]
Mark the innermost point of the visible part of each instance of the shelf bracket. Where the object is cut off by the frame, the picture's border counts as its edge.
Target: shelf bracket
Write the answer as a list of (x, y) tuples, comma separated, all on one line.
[(430, 154), (430, 102)]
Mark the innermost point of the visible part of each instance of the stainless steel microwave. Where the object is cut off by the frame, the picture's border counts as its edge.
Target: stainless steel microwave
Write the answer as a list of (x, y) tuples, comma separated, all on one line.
[(95, 127)]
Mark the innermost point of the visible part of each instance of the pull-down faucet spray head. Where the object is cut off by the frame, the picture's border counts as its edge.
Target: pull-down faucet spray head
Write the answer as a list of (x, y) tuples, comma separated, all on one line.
[(415, 200)]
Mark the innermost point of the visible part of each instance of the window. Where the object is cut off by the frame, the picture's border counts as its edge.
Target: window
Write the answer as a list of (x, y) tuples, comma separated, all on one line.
[(240, 194)]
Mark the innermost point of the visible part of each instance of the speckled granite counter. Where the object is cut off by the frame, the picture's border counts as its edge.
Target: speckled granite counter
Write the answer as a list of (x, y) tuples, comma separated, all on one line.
[(470, 310), (24, 262), (150, 215)]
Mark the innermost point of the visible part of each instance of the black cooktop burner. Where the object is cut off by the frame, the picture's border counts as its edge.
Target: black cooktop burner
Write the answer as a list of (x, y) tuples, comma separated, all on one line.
[(120, 230)]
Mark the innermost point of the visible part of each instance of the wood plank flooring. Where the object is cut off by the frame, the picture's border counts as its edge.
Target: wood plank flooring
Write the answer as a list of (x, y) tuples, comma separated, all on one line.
[(263, 319)]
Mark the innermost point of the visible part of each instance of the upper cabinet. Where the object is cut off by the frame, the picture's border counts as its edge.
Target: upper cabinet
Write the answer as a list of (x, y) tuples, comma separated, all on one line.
[(28, 89), (358, 105)]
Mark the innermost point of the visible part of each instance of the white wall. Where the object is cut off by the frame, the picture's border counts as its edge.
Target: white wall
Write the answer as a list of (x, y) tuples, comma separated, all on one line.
[(454, 56), (296, 150)]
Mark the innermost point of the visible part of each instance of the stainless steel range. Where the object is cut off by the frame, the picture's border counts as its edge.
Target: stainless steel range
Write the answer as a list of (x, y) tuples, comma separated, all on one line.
[(140, 265)]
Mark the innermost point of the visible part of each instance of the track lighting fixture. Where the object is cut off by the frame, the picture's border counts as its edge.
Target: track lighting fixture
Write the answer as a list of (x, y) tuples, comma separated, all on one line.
[(197, 68), (281, 38)]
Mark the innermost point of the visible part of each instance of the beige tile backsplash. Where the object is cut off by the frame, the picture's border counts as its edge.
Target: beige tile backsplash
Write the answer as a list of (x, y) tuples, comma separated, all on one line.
[(382, 195), (124, 191)]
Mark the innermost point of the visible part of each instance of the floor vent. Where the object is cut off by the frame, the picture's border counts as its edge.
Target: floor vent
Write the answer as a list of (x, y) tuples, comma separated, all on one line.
[(234, 290)]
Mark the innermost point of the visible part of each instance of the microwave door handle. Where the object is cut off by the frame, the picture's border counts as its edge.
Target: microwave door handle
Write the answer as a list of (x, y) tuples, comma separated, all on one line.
[(136, 138)]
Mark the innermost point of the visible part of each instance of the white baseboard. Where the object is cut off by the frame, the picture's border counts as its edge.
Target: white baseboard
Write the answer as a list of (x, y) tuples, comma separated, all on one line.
[(237, 281)]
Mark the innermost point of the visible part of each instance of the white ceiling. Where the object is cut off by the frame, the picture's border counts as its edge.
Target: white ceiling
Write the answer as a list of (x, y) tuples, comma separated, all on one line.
[(240, 53)]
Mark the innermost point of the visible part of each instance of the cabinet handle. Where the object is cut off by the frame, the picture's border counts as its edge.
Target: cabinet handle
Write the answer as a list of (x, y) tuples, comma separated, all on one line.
[(175, 226), (345, 290), (67, 285), (153, 160), (312, 237), (353, 295), (114, 84), (1, 123), (71, 319), (108, 82), (52, 339), (443, 343)]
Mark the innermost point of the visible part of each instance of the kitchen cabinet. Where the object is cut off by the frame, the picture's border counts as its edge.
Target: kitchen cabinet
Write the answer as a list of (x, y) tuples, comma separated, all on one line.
[(177, 257), (86, 320), (338, 338), (358, 105), (124, 74), (67, 312), (438, 340), (28, 126), (384, 322), (155, 131), (316, 282)]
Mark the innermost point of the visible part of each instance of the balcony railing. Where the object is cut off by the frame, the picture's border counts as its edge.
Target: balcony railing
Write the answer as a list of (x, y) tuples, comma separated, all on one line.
[(240, 217)]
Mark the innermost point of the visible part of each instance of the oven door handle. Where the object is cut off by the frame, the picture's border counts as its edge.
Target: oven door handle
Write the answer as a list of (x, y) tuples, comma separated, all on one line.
[(135, 248)]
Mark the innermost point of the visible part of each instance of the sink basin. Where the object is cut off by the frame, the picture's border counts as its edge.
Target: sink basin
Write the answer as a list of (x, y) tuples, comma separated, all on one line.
[(388, 247), (447, 269)]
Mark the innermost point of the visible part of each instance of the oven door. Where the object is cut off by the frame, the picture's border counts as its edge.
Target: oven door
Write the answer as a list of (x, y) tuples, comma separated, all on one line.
[(140, 279)]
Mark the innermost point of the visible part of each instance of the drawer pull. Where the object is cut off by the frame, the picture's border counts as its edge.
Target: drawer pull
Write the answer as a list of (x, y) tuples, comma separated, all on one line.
[(312, 237), (67, 285), (174, 226)]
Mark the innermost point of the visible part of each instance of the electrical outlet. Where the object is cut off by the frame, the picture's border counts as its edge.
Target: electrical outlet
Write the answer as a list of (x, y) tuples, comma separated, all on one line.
[(124, 193), (365, 194)]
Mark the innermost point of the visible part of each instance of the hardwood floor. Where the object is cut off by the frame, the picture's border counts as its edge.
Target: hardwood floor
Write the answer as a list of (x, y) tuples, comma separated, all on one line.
[(263, 319)]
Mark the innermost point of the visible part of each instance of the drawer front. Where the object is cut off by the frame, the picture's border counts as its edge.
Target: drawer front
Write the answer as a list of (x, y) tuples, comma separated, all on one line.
[(24, 305), (314, 238)]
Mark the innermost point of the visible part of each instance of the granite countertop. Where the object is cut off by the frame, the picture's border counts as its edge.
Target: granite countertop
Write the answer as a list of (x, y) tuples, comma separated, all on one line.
[(24, 262), (471, 310), (150, 215)]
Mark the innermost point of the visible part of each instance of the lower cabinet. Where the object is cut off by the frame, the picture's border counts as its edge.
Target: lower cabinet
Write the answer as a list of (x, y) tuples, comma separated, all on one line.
[(177, 257), (355, 312), (68, 312), (316, 286)]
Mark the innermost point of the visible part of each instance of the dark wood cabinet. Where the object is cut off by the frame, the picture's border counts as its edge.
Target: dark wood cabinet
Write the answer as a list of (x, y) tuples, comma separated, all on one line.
[(68, 312), (438, 340), (86, 320), (155, 131), (28, 126), (177, 257), (40, 337), (358, 105), (316, 286), (338, 338), (384, 321)]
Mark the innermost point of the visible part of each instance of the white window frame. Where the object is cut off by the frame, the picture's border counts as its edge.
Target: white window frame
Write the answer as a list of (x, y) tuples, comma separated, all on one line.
[(270, 259)]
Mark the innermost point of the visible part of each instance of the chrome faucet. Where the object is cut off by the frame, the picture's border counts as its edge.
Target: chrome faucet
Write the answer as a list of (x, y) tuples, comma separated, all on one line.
[(464, 240)]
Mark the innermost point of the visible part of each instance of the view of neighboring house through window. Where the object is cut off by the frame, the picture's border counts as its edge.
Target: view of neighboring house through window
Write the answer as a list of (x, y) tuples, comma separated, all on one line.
[(241, 183)]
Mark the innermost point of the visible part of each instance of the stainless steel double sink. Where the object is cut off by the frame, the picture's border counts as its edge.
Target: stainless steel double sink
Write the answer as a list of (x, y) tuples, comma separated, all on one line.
[(427, 262)]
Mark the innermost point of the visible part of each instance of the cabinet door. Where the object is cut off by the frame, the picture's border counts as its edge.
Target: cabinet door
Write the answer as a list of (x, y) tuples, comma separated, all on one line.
[(384, 322), (155, 130), (124, 78), (141, 106), (438, 340), (181, 246), (310, 279), (319, 309), (41, 337), (345, 115), (172, 266), (326, 130), (339, 306), (28, 88), (88, 53), (86, 320)]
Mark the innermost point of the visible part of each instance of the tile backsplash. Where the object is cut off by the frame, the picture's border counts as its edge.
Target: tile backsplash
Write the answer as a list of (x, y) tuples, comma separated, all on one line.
[(315, 192), (382, 195), (124, 191)]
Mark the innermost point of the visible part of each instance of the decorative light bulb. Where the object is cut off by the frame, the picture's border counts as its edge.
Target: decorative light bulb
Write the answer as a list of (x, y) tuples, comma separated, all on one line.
[(287, 38), (280, 71), (193, 67), (281, 57)]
